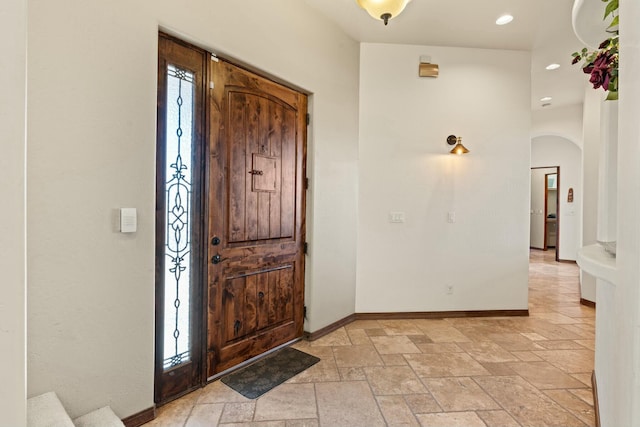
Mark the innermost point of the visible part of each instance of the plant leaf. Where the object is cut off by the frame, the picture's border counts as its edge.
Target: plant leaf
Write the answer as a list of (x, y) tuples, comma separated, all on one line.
[(615, 22), (611, 7)]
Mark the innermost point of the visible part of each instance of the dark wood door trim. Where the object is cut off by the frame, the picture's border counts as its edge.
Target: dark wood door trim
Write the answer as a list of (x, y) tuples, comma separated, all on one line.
[(557, 249), (558, 210), (545, 244)]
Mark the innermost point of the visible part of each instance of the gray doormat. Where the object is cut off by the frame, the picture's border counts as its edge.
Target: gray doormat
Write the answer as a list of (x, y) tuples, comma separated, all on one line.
[(260, 377)]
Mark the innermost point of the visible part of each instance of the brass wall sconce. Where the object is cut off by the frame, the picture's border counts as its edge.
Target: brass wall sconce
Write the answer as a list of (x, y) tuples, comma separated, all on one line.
[(457, 141), (426, 68)]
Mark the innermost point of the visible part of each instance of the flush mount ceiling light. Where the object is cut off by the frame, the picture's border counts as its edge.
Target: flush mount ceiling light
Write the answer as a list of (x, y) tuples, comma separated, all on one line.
[(504, 19), (383, 9), (552, 67)]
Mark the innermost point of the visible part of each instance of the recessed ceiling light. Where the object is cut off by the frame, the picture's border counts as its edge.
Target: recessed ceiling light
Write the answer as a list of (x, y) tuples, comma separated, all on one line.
[(545, 99), (504, 19), (552, 66)]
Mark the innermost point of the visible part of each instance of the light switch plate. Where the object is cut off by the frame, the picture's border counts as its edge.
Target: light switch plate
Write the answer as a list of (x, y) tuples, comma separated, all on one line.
[(128, 220), (396, 217)]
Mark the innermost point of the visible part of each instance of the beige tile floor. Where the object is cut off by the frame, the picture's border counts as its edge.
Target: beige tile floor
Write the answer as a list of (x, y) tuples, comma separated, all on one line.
[(502, 371)]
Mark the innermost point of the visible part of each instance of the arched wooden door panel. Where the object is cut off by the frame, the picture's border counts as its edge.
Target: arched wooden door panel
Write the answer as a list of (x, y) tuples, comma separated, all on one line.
[(256, 216)]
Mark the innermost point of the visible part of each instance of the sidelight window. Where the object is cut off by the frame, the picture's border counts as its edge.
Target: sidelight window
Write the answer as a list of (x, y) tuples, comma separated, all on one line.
[(178, 213)]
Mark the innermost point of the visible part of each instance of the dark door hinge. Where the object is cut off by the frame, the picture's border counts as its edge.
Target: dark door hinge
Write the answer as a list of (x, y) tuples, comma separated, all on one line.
[(304, 312), (305, 247), (306, 183), (308, 119)]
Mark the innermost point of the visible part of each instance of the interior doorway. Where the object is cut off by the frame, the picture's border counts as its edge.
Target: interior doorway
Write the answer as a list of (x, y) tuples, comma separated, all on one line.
[(545, 209)]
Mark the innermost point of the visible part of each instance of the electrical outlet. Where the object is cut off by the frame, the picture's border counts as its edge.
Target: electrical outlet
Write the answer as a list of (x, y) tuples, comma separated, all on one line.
[(449, 289)]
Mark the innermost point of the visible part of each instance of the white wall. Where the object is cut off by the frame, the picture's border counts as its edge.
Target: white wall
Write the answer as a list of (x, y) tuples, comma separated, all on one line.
[(482, 96), (608, 173), (557, 151), (618, 357), (92, 108), (565, 122), (591, 149), (13, 38)]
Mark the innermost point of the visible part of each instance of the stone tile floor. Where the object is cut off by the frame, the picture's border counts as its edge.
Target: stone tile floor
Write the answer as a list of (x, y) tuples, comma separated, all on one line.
[(502, 371)]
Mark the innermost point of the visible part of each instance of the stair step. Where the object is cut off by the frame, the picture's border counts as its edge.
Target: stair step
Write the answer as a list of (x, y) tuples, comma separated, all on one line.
[(46, 410), (103, 417)]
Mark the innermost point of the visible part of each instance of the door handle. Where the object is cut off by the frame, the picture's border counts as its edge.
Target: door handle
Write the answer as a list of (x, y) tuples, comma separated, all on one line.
[(256, 172), (216, 259), (215, 241)]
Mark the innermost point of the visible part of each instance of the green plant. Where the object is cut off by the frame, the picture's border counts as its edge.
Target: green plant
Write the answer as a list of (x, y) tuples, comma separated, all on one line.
[(602, 63)]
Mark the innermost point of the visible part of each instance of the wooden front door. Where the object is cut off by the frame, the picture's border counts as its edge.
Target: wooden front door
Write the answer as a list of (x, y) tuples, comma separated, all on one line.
[(257, 155)]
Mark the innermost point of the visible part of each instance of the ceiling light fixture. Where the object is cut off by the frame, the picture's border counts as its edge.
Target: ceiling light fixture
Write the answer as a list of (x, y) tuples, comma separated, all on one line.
[(545, 99), (504, 19), (553, 66), (383, 9)]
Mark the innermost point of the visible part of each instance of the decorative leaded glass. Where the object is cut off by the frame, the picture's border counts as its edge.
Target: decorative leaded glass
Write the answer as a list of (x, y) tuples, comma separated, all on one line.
[(178, 214)]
